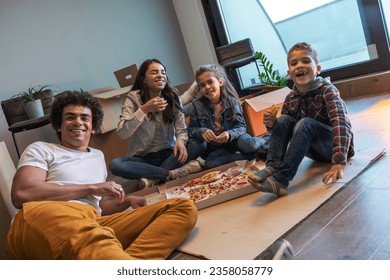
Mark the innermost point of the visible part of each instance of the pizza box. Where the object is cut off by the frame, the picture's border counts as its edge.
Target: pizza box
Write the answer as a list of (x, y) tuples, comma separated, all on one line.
[(154, 195), (254, 109)]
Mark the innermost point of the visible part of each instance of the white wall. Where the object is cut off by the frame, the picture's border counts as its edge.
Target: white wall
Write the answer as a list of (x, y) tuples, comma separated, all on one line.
[(195, 31), (79, 43)]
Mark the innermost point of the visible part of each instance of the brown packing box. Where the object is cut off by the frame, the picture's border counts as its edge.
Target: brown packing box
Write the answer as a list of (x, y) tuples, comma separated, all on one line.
[(254, 109), (153, 194), (106, 138), (111, 100)]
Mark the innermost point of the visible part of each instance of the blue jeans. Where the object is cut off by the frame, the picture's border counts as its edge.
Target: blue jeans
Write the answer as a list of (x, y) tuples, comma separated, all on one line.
[(153, 165), (244, 147), (292, 140)]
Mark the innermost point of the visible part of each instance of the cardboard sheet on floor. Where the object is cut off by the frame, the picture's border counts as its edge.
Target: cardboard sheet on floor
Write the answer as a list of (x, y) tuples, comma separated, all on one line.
[(244, 227)]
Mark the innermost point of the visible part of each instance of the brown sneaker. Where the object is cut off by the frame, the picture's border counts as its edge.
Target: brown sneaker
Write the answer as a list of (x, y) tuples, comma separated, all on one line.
[(144, 183), (192, 166)]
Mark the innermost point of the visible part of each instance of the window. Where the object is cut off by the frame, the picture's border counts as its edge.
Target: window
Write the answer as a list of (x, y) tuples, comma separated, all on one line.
[(350, 35)]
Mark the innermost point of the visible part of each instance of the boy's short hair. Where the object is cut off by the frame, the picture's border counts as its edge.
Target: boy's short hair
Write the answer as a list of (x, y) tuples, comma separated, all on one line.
[(304, 46)]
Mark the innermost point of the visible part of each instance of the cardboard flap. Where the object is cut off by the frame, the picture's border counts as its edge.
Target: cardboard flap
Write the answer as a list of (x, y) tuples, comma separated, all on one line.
[(265, 101), (113, 93)]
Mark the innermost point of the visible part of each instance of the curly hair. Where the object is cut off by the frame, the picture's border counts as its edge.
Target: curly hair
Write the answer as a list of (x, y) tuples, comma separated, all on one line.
[(82, 98), (169, 93)]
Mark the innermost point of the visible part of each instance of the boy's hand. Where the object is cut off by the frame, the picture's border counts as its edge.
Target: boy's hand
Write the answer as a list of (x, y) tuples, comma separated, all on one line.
[(336, 172), (269, 118)]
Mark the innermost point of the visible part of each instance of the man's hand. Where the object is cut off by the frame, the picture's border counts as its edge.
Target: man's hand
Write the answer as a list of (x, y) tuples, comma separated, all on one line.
[(109, 189), (136, 201), (336, 172)]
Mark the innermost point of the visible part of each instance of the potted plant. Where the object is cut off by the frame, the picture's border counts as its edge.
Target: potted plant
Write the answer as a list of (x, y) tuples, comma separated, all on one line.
[(33, 104), (31, 100), (270, 78)]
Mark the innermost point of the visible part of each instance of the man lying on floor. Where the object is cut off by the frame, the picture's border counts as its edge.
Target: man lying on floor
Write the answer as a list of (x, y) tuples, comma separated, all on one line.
[(69, 211)]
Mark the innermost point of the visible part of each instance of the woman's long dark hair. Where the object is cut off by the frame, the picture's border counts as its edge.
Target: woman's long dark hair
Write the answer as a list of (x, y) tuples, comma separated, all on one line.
[(169, 93)]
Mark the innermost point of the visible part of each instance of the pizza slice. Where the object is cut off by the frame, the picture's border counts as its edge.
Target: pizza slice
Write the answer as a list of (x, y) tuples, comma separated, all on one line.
[(209, 177), (274, 110)]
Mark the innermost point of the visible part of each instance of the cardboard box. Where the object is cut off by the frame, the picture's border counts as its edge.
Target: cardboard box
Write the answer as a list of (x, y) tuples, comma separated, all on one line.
[(254, 109), (153, 193), (111, 100), (110, 144)]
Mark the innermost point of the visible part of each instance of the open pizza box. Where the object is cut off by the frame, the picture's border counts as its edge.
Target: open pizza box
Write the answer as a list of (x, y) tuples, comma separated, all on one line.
[(162, 192), (254, 109)]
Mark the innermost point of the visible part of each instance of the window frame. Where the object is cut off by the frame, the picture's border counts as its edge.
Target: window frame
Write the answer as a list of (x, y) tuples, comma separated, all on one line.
[(375, 30)]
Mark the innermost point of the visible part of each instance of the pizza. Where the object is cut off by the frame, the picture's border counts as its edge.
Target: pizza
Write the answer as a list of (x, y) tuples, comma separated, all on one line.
[(209, 185), (274, 110), (209, 177)]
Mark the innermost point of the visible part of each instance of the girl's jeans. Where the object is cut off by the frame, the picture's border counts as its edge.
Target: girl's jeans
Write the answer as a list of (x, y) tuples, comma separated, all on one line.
[(153, 165)]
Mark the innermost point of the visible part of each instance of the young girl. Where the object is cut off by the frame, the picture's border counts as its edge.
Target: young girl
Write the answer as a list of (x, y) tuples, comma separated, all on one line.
[(152, 119), (217, 122)]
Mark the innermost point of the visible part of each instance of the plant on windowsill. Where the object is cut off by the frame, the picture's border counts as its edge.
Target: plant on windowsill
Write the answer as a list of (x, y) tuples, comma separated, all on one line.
[(270, 78)]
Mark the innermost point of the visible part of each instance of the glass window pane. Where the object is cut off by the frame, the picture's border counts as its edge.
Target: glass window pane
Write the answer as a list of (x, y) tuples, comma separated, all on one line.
[(386, 13), (336, 28)]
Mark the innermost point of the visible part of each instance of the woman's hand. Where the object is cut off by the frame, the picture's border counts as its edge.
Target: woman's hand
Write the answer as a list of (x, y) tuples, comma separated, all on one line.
[(180, 151), (157, 104)]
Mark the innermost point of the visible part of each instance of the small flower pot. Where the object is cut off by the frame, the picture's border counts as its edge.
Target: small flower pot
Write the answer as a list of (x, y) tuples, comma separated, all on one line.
[(34, 109)]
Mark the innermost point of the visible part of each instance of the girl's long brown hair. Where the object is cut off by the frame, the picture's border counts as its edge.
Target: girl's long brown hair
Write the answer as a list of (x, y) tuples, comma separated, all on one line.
[(169, 93), (228, 92)]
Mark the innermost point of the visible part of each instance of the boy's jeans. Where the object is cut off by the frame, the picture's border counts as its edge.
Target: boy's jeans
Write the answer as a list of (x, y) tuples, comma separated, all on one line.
[(292, 140)]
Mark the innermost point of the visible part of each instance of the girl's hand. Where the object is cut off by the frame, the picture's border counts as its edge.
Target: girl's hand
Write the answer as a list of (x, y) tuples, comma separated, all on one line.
[(157, 104), (209, 136), (223, 137)]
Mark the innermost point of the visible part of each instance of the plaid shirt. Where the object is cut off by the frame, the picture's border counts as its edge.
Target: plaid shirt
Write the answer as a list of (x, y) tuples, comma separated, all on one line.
[(324, 104)]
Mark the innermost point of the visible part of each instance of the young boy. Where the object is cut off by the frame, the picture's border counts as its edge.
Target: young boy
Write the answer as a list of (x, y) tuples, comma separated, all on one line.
[(314, 123)]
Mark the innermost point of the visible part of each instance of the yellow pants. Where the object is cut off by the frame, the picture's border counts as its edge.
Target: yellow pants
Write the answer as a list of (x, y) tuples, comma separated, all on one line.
[(69, 230)]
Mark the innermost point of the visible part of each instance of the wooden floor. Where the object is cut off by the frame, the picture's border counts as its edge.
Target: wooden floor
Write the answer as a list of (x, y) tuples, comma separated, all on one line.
[(355, 223)]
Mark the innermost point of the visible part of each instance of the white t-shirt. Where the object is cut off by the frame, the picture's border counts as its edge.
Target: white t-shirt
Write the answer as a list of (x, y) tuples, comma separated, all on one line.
[(67, 166)]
